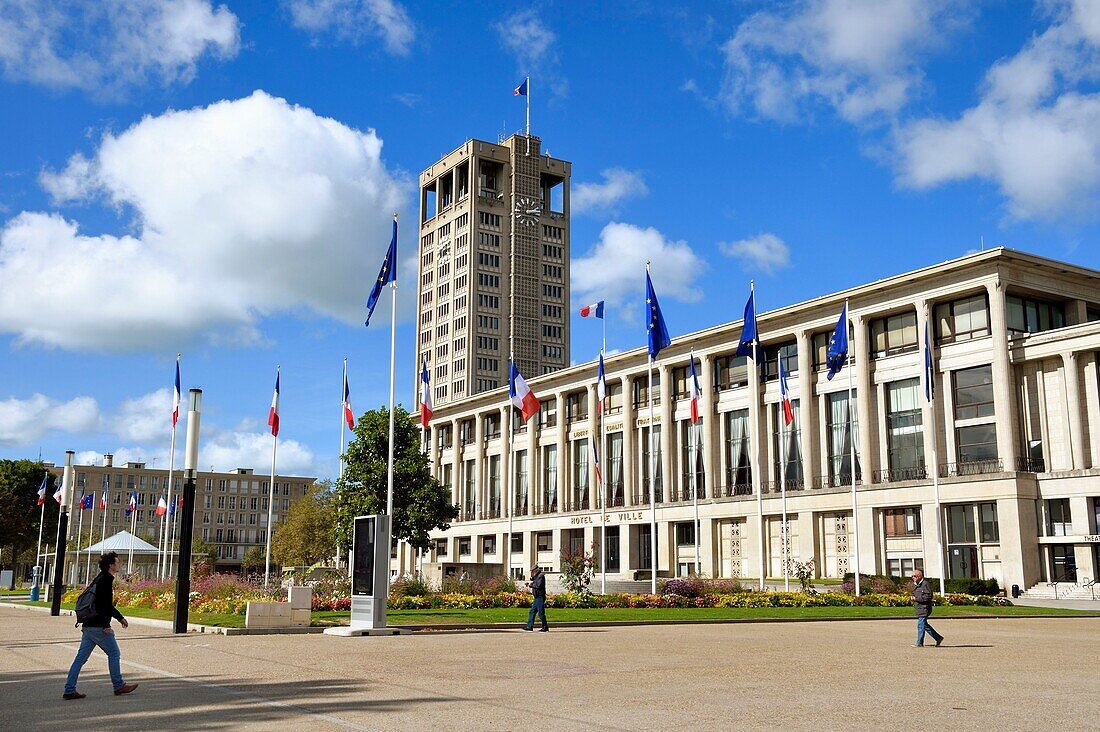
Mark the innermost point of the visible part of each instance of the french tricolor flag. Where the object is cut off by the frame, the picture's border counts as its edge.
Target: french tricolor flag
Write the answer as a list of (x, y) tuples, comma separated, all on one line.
[(132, 505), (601, 387), (176, 395), (273, 414), (42, 490), (162, 505), (521, 90), (103, 499), (59, 494), (696, 392), (595, 310), (425, 397), (785, 394), (522, 396), (596, 464), (349, 416)]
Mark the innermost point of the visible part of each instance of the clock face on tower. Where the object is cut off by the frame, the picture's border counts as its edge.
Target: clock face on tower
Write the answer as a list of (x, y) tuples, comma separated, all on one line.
[(527, 211)]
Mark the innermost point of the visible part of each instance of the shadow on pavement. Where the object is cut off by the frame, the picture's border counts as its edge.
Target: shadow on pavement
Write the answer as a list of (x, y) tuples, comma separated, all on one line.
[(33, 701)]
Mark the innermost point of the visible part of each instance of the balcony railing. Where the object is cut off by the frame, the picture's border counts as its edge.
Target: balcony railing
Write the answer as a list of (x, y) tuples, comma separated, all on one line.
[(837, 480), (578, 504), (776, 487), (737, 489), (615, 498), (1031, 464), (547, 508), (490, 512), (895, 475), (972, 467)]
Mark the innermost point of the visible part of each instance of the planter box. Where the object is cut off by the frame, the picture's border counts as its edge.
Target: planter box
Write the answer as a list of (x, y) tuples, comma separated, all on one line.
[(295, 613)]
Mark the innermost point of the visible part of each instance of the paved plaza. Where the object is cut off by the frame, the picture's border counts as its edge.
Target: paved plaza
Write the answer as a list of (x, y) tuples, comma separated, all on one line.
[(992, 674)]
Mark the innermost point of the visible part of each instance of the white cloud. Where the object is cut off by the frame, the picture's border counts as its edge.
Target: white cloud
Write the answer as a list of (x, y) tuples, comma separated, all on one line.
[(146, 418), (228, 450), (764, 252), (614, 269), (528, 39), (857, 56), (351, 20), (108, 46), (243, 209), (618, 185), (22, 421), (1035, 131)]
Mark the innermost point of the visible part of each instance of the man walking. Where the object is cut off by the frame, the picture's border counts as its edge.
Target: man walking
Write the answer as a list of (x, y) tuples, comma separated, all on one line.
[(922, 601), (538, 589), (97, 632)]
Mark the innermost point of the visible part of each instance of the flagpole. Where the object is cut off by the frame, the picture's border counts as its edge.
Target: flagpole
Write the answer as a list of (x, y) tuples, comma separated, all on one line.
[(340, 455), (652, 473), (79, 533), (758, 486), (852, 451), (271, 496), (528, 115), (511, 476), (39, 568), (602, 483), (393, 356), (106, 506), (91, 528), (133, 528), (930, 386), (693, 450), (171, 469), (783, 477)]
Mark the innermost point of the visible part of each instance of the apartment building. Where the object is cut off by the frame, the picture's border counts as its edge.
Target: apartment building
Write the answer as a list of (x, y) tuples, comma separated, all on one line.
[(494, 262), (230, 508), (1013, 428)]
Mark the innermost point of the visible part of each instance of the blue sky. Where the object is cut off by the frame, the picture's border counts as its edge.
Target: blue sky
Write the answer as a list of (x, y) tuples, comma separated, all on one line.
[(216, 180)]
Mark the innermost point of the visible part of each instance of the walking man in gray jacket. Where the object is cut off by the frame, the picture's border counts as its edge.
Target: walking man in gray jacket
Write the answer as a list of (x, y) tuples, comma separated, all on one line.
[(922, 601)]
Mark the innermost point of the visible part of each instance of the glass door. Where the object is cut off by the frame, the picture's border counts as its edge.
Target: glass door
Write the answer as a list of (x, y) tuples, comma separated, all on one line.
[(1063, 563)]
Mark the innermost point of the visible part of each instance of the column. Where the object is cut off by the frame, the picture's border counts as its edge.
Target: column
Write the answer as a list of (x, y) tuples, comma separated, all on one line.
[(505, 468), (594, 488), (480, 502), (1092, 405), (433, 450), (456, 466), (669, 439), (807, 405), (534, 460), (758, 433), (628, 443), (1003, 379), (862, 364), (710, 436), (1073, 408), (928, 409), (564, 478)]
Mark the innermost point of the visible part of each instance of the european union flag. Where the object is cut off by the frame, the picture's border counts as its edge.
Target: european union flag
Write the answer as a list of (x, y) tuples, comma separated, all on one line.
[(658, 332), (747, 345), (387, 274), (837, 353), (86, 501)]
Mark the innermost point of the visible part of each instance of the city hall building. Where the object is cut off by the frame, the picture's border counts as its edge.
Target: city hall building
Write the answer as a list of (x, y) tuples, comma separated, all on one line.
[(1014, 428)]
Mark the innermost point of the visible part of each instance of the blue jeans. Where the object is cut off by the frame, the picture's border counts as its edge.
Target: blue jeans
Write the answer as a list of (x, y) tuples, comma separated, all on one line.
[(922, 627), (538, 606), (91, 638)]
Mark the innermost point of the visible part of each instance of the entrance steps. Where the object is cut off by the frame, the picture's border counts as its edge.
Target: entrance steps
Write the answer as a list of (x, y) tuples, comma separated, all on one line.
[(1062, 591)]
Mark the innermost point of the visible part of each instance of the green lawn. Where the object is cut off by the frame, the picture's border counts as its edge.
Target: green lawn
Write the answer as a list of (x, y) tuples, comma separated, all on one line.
[(16, 591), (567, 615), (635, 615)]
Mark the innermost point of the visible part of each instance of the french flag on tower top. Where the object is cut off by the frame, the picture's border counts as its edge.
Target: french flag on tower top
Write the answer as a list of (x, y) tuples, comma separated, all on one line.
[(349, 416), (785, 394), (522, 396), (273, 414), (696, 392), (176, 396), (425, 397), (521, 90), (595, 310)]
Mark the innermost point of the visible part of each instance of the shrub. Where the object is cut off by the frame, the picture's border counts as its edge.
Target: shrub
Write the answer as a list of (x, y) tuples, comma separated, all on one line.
[(577, 569), (410, 586)]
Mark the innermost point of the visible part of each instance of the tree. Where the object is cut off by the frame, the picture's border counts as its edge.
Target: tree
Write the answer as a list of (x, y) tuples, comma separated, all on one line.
[(254, 558), (19, 510), (203, 549), (420, 503), (308, 532)]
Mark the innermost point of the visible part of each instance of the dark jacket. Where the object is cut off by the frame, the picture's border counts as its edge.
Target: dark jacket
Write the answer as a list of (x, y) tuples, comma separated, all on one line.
[(538, 586), (922, 598), (104, 602)]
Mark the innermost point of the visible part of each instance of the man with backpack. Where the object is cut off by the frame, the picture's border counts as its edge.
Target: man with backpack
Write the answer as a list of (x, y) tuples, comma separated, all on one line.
[(94, 609)]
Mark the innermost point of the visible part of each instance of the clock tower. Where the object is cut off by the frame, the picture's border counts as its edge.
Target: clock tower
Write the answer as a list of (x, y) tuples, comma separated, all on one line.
[(493, 266)]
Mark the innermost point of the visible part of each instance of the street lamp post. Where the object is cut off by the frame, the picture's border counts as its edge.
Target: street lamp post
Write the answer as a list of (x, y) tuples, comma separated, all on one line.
[(187, 517), (62, 536)]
